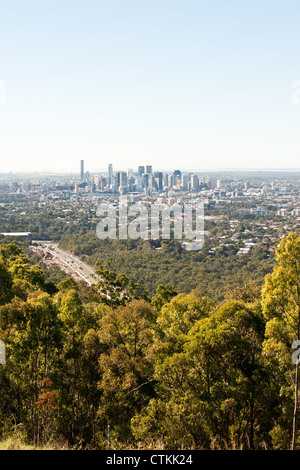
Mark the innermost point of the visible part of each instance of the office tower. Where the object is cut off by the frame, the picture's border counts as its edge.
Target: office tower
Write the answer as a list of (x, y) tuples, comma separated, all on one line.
[(185, 181), (141, 170), (171, 181), (124, 179), (194, 182), (247, 185), (177, 176), (114, 184), (212, 183), (81, 170), (151, 182), (159, 180), (131, 183), (110, 174), (121, 179), (149, 169), (219, 184), (145, 180), (102, 183)]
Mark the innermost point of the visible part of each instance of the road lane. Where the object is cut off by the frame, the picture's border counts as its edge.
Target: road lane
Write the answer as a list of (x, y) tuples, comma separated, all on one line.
[(73, 263)]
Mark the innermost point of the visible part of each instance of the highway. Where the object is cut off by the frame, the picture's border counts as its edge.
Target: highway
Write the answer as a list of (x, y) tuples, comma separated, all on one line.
[(71, 262)]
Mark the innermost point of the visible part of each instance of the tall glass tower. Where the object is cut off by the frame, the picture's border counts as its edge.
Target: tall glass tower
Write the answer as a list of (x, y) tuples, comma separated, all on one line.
[(81, 170), (110, 174)]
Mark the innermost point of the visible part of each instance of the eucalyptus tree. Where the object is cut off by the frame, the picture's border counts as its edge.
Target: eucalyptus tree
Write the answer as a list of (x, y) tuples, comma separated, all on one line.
[(281, 308)]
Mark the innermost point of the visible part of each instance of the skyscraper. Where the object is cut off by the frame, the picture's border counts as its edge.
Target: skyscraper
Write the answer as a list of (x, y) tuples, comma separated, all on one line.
[(170, 181), (145, 180), (159, 180), (194, 181), (141, 170), (81, 170), (185, 181), (121, 179), (177, 176), (110, 174)]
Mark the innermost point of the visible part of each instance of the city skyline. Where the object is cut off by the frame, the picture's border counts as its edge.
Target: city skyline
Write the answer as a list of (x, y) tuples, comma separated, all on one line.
[(95, 171)]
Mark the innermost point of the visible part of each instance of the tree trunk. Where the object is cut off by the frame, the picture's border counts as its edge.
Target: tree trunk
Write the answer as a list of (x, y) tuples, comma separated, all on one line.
[(251, 438)]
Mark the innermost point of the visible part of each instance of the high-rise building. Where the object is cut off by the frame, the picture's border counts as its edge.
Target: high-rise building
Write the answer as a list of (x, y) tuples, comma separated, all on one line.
[(177, 176), (151, 182), (110, 174), (194, 182), (121, 179), (81, 170), (149, 169), (170, 181), (159, 180), (185, 181), (114, 184), (141, 170), (211, 183), (145, 180)]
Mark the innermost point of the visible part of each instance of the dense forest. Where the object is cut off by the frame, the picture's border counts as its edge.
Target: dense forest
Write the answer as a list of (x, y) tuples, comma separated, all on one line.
[(155, 262), (173, 370)]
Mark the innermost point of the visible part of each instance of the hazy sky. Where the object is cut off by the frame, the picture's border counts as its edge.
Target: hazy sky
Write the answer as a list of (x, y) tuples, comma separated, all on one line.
[(189, 84)]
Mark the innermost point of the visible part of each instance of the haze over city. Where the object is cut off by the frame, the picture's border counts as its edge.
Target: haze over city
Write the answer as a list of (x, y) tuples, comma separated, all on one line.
[(193, 85)]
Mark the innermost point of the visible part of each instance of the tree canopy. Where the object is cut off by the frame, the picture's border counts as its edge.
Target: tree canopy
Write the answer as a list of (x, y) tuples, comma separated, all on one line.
[(173, 369)]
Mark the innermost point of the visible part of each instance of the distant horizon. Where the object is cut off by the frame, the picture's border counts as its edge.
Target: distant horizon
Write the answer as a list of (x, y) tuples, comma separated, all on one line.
[(116, 169)]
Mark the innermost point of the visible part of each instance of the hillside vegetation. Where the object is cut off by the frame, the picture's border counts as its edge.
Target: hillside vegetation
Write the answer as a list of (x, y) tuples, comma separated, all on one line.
[(168, 370), (151, 263)]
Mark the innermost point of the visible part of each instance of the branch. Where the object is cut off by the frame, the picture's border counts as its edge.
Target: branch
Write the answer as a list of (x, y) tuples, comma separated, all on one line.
[(137, 388)]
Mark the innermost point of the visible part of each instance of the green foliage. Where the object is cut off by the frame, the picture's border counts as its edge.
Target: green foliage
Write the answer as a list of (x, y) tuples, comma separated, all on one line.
[(180, 368), (163, 295), (281, 308), (207, 389), (151, 263), (126, 365), (5, 284), (116, 289)]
